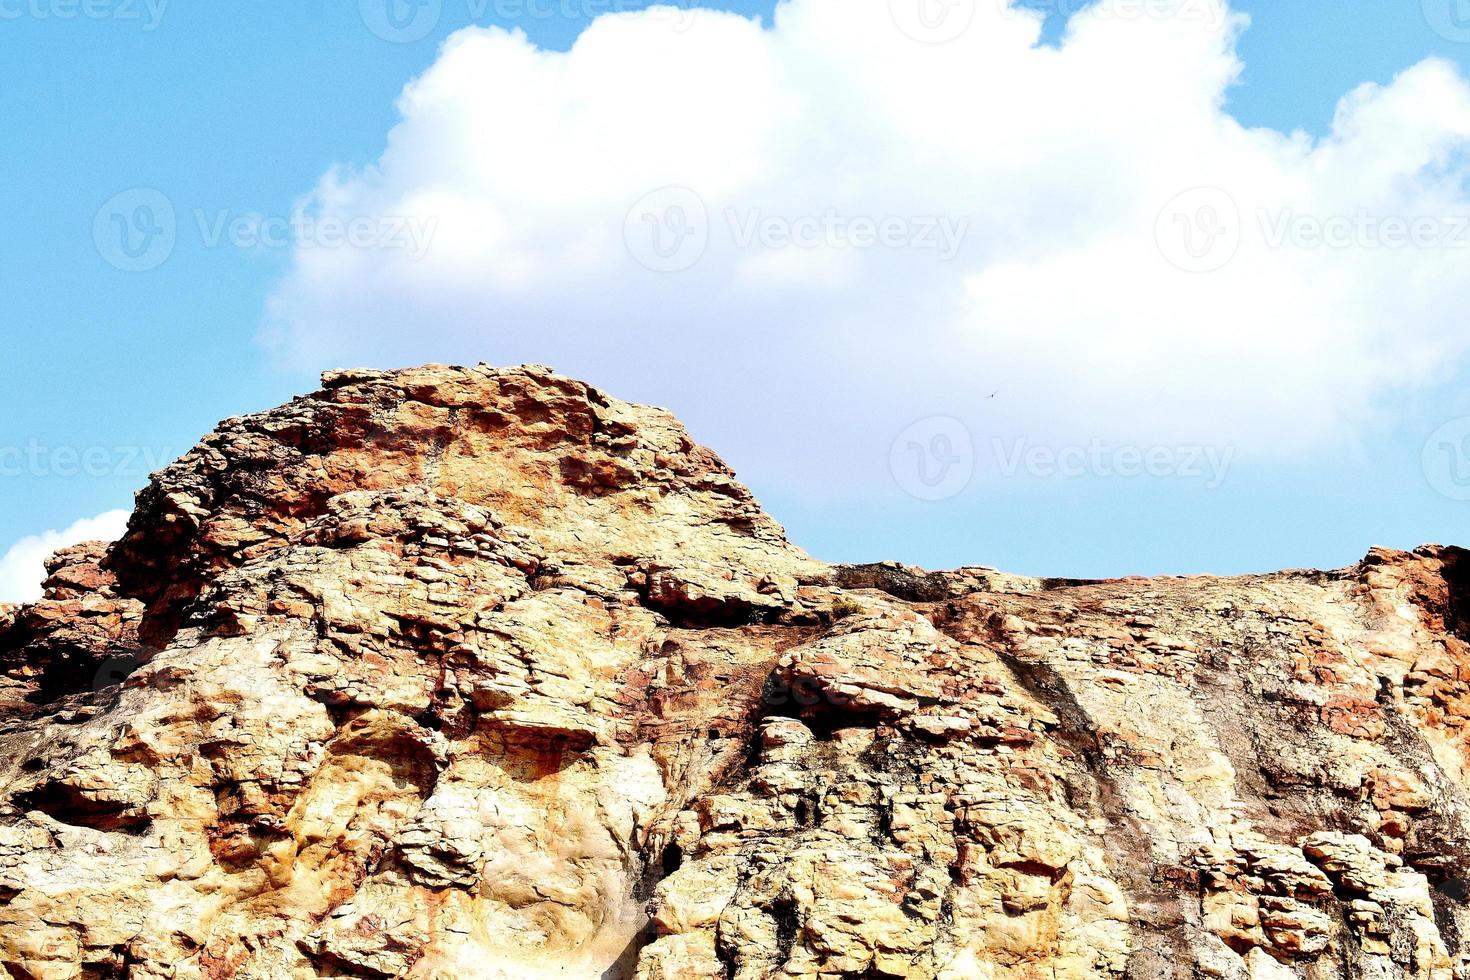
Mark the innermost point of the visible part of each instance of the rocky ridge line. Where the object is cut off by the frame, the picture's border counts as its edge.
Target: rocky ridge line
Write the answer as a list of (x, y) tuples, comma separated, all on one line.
[(470, 672)]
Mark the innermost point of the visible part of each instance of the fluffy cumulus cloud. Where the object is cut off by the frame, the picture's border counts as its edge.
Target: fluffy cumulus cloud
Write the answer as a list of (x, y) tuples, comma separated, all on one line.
[(807, 234), (23, 567)]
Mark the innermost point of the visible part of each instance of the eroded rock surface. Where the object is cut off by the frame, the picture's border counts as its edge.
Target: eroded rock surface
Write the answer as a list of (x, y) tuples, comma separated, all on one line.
[(467, 672)]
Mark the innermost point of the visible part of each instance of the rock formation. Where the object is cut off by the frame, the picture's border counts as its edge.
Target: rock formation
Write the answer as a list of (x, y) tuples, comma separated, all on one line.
[(466, 672)]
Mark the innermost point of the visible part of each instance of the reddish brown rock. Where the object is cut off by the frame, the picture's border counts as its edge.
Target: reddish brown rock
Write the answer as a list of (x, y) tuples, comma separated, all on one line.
[(466, 672), (81, 636)]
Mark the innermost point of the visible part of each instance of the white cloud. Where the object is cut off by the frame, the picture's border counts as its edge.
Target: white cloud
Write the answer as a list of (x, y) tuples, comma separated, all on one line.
[(1065, 165), (23, 569)]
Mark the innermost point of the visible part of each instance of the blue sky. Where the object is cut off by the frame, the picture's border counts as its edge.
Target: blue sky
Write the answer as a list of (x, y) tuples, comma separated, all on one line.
[(239, 108)]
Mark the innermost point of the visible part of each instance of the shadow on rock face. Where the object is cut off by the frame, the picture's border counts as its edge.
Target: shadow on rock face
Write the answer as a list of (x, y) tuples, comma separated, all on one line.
[(1457, 577)]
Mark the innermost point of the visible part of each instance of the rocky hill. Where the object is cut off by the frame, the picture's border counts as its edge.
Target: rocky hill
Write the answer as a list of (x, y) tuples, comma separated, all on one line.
[(466, 672)]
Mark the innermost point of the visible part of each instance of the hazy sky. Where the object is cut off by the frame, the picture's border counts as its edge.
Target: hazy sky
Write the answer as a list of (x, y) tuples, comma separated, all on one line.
[(1141, 286)]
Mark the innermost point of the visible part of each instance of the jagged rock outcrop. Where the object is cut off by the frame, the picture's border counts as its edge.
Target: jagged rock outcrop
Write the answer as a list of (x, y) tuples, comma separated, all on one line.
[(466, 672), (82, 634)]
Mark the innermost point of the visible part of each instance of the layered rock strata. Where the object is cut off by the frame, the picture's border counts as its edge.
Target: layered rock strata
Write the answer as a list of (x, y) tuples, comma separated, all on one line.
[(467, 672)]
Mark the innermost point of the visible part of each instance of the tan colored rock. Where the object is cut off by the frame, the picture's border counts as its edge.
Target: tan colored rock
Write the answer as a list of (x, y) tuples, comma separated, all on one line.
[(468, 672)]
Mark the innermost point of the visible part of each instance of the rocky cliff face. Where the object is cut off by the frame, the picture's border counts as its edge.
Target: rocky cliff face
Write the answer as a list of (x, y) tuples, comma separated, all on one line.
[(452, 673)]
